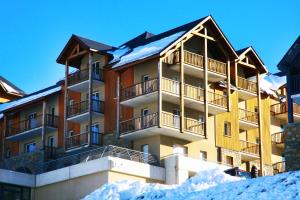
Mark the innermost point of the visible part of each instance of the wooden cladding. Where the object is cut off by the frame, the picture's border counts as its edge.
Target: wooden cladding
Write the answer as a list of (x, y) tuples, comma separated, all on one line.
[(248, 116), (247, 85), (32, 123), (197, 60), (249, 147), (139, 89), (278, 138)]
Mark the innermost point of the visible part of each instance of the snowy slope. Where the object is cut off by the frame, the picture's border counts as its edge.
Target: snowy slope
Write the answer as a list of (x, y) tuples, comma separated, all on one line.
[(210, 184)]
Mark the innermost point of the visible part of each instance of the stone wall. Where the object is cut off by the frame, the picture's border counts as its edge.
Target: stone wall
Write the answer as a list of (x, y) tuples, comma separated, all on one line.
[(292, 147)]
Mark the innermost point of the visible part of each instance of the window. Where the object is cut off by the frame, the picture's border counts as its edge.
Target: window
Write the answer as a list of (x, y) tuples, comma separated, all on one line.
[(176, 118), (145, 118), (96, 102), (71, 102), (145, 78), (146, 84), (95, 134), (96, 70), (30, 147), (203, 155), (145, 150), (227, 129), (229, 160), (256, 109), (50, 142), (257, 140), (70, 133), (32, 120)]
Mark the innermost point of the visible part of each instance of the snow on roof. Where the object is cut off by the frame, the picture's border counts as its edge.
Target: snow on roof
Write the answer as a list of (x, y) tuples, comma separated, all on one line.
[(10, 88), (125, 55), (29, 98)]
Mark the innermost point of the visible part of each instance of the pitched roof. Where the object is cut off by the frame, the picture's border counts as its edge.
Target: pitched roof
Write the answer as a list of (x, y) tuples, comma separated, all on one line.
[(291, 57), (35, 96), (149, 45), (10, 88), (85, 43)]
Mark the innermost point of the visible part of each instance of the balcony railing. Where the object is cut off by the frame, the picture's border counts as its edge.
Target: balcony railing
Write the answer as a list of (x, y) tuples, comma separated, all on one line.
[(279, 108), (278, 138), (247, 85), (170, 85), (139, 123), (139, 89), (193, 59), (279, 167), (29, 124), (193, 92), (170, 120), (217, 99), (248, 116), (296, 109), (249, 147), (194, 126), (82, 139), (36, 167), (83, 107), (83, 75), (216, 66)]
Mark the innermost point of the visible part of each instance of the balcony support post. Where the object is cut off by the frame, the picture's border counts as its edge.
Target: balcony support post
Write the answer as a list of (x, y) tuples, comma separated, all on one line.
[(182, 125), (66, 104), (4, 135), (289, 99), (205, 84), (159, 82), (43, 124), (228, 85), (260, 124), (118, 105), (90, 98)]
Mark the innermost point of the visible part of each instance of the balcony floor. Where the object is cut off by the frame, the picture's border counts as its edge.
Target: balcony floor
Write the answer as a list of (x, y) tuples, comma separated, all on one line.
[(245, 125), (245, 95), (84, 85), (84, 117), (30, 133), (167, 131), (199, 72)]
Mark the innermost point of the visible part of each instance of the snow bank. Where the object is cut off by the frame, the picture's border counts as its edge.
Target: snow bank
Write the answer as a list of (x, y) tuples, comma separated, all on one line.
[(209, 184), (135, 190)]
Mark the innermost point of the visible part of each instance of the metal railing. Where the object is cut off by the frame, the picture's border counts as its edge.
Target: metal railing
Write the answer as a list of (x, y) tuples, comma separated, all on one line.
[(194, 126), (138, 123), (83, 157), (82, 139), (83, 75), (29, 124), (249, 147), (279, 167), (278, 138), (170, 120), (248, 116), (247, 85), (139, 89), (217, 99), (83, 107)]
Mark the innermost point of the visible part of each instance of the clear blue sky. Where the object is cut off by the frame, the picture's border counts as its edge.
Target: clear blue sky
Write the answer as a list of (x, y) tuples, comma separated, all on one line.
[(32, 33)]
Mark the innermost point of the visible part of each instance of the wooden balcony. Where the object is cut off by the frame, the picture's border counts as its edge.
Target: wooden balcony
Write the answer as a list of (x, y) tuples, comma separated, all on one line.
[(249, 150), (79, 80), (194, 66), (278, 139), (247, 89), (82, 139), (145, 126), (29, 128), (280, 111), (279, 167), (248, 119), (78, 112)]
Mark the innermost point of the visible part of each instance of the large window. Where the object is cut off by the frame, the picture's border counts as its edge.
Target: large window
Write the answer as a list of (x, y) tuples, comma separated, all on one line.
[(203, 155), (30, 147), (227, 128)]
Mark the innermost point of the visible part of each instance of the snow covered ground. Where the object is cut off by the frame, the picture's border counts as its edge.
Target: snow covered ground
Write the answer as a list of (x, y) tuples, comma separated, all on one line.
[(210, 184)]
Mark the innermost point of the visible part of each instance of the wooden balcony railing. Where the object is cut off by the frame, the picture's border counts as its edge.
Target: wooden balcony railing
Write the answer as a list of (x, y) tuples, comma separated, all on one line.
[(217, 99), (216, 66), (139, 89), (279, 108), (278, 138), (249, 147), (193, 59), (170, 85), (83, 75), (296, 109), (247, 85), (248, 116), (279, 167), (194, 126), (170, 120), (139, 123), (83, 106), (81, 139), (193, 92), (29, 124)]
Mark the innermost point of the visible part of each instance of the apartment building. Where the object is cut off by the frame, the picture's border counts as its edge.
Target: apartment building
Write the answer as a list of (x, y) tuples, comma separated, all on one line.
[(163, 105)]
